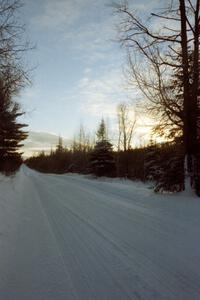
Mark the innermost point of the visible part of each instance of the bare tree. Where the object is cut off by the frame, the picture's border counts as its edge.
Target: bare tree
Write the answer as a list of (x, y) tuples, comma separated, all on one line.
[(13, 42), (164, 51), (126, 125)]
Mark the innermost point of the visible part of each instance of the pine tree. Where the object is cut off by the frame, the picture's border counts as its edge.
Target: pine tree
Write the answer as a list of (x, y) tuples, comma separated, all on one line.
[(171, 174), (151, 162), (102, 161), (11, 131), (59, 147), (13, 77), (164, 165), (101, 132)]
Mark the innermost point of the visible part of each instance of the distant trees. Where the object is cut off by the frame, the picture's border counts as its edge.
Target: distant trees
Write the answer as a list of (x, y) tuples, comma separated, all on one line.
[(159, 163), (55, 162), (59, 147), (83, 157), (12, 78), (101, 158), (81, 146), (155, 55)]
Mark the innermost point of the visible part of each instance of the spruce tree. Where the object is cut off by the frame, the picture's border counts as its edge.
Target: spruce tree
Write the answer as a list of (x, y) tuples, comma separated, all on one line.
[(151, 162), (171, 174), (13, 77), (59, 147), (102, 161), (11, 131)]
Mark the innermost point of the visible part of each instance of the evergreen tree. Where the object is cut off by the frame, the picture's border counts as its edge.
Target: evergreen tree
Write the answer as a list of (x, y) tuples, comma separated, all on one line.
[(102, 161), (11, 131), (164, 165), (171, 174), (13, 77), (151, 162), (101, 132), (59, 147)]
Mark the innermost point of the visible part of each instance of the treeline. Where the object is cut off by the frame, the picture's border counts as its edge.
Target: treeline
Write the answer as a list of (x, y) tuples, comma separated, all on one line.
[(160, 163)]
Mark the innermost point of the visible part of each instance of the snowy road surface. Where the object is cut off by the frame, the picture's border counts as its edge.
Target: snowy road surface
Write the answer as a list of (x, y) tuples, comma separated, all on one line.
[(68, 237)]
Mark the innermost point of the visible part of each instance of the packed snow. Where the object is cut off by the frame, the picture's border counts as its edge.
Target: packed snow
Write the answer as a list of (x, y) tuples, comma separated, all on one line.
[(71, 237)]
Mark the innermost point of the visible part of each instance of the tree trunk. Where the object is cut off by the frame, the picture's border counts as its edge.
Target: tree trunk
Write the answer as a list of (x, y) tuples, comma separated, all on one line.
[(195, 105), (187, 137)]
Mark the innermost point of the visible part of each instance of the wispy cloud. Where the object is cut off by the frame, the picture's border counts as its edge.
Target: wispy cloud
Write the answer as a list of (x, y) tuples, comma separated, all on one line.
[(59, 13), (79, 64), (84, 27), (41, 141), (101, 93)]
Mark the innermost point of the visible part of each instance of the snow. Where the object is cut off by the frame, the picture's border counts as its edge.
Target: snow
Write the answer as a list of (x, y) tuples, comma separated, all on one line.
[(72, 237)]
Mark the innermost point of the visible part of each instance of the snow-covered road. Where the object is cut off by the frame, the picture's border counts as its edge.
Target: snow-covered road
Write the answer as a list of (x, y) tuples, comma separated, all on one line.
[(68, 237)]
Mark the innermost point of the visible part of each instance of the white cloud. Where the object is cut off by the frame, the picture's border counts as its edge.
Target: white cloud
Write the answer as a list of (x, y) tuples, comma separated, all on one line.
[(91, 40), (101, 94), (99, 98), (41, 141), (85, 30)]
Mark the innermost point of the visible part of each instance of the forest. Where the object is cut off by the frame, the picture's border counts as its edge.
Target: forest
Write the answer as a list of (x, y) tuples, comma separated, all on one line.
[(163, 63)]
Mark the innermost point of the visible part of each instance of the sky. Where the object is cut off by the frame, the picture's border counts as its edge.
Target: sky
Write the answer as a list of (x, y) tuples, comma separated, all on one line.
[(77, 65)]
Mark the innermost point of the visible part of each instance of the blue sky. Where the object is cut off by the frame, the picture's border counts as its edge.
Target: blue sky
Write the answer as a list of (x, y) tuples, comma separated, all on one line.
[(77, 76)]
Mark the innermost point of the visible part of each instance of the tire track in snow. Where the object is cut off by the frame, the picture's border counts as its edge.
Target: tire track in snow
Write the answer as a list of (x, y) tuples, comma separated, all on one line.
[(109, 240), (80, 243), (68, 217)]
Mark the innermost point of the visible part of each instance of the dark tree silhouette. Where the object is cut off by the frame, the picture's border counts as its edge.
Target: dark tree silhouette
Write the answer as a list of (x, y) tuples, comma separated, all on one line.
[(11, 131), (162, 52), (102, 160), (13, 77)]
